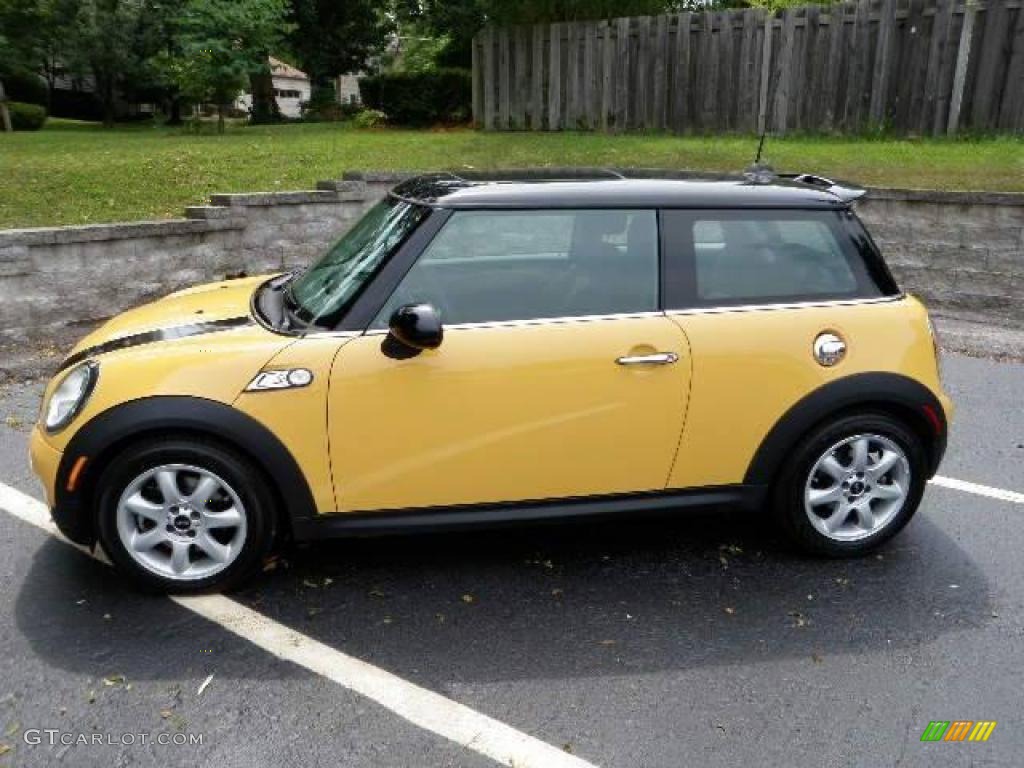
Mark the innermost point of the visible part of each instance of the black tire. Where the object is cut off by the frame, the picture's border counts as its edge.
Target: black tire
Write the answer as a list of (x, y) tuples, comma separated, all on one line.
[(788, 493), (245, 479)]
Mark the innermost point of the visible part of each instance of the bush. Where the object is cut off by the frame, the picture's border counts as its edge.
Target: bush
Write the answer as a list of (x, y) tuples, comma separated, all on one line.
[(26, 88), (369, 118), (26, 117), (420, 98)]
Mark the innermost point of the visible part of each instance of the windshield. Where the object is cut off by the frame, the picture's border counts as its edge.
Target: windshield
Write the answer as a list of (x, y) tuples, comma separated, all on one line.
[(323, 292)]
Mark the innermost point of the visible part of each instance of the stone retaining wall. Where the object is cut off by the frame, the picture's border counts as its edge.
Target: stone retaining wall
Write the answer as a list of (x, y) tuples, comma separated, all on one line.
[(961, 252)]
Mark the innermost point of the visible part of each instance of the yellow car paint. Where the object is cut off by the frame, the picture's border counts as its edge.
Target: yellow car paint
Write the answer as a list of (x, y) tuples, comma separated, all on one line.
[(510, 411), (298, 416), (752, 366), (507, 412), (216, 366), (44, 460), (201, 304)]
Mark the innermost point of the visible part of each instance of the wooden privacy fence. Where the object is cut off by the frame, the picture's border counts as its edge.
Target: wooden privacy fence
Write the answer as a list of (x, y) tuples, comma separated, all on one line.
[(908, 66)]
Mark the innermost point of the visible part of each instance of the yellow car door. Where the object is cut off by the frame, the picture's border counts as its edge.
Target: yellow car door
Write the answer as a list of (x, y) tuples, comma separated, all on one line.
[(558, 375)]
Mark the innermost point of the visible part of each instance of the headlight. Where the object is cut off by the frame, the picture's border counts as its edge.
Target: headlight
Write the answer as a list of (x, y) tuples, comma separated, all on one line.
[(69, 396)]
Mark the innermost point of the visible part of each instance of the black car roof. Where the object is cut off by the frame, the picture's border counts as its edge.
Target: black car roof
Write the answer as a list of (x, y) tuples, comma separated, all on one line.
[(600, 188)]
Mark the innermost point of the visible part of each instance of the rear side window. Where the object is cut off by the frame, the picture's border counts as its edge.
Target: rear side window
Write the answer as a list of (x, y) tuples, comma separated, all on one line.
[(722, 258)]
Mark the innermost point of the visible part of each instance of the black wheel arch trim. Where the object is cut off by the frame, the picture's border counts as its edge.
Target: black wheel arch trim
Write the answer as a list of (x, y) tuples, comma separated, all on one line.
[(887, 391), (109, 431)]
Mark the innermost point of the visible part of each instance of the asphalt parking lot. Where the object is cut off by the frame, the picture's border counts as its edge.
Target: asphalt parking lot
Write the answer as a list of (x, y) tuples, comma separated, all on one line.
[(700, 641)]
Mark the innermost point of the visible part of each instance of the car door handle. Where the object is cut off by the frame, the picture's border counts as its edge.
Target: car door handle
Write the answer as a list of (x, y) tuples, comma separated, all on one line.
[(658, 358)]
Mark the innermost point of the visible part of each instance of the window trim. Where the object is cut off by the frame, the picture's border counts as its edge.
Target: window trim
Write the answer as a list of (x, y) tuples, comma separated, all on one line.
[(405, 260), (537, 321), (679, 271)]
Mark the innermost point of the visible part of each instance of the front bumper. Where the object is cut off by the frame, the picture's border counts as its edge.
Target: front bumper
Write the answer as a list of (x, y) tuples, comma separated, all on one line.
[(70, 518), (45, 461)]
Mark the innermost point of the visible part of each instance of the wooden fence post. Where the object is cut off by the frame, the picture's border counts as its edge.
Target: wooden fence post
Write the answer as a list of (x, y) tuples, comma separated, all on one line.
[(766, 68), (591, 77), (572, 78), (555, 79), (784, 86), (987, 87), (642, 85), (745, 110), (933, 102), (960, 76), (660, 95), (487, 37), (478, 80), (504, 80), (537, 79), (836, 24), (606, 74), (681, 78), (622, 30), (1011, 111), (883, 63), (520, 79)]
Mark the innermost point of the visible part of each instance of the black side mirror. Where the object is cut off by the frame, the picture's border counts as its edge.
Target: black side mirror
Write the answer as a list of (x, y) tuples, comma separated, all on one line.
[(417, 326)]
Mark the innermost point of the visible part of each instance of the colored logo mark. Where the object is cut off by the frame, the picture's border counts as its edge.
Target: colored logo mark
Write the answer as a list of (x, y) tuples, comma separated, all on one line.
[(958, 730)]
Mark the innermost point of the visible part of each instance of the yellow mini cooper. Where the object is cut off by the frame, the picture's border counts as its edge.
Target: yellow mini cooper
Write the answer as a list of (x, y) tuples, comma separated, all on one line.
[(481, 352)]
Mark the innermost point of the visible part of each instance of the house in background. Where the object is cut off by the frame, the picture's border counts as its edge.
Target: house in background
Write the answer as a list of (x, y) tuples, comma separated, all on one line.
[(291, 88), (346, 88)]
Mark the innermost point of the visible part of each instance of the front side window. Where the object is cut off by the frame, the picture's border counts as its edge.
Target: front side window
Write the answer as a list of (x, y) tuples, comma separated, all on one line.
[(492, 266), (323, 292), (763, 257)]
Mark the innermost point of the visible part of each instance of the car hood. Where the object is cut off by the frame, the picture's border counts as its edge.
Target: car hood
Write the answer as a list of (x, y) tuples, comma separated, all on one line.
[(203, 309)]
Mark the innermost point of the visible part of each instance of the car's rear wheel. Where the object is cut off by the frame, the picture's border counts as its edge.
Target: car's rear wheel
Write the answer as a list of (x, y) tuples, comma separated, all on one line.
[(184, 515), (851, 485)]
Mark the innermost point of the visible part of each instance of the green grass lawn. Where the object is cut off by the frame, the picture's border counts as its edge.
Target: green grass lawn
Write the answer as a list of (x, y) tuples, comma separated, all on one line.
[(74, 173)]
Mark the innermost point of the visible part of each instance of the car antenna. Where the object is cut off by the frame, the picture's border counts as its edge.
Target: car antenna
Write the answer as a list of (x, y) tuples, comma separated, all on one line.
[(760, 173)]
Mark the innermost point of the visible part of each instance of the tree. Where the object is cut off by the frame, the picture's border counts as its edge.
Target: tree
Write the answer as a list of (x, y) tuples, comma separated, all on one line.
[(222, 44), (40, 27), (100, 41), (332, 37), (264, 102), (157, 43)]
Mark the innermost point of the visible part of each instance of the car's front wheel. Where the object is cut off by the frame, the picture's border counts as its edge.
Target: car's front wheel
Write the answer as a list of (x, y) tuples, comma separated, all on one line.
[(184, 515), (851, 485)]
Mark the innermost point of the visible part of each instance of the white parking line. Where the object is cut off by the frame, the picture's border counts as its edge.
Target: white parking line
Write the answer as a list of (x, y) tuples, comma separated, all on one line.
[(979, 490), (421, 707)]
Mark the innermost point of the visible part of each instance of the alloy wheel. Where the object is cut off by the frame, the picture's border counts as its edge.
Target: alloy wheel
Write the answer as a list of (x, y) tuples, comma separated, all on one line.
[(181, 522), (857, 487)]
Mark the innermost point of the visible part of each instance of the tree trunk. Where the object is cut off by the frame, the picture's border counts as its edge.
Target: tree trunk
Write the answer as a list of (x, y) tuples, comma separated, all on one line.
[(174, 118), (5, 116), (264, 103), (107, 94), (51, 83), (220, 118)]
